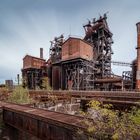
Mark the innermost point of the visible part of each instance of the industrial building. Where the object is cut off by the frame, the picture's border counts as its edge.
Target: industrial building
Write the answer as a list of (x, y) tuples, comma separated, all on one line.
[(82, 63), (33, 71)]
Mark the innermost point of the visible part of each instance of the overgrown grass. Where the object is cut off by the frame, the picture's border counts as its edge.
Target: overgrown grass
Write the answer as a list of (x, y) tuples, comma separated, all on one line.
[(19, 95)]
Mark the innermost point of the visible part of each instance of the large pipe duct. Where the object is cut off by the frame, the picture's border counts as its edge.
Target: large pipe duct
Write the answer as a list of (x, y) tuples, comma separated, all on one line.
[(138, 57)]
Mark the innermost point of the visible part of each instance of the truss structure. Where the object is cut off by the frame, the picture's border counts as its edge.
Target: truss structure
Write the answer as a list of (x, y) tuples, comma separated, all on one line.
[(56, 49), (82, 74), (32, 78), (99, 35), (127, 79), (78, 74)]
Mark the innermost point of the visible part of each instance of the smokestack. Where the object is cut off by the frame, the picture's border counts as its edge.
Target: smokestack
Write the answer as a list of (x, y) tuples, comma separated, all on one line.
[(41, 53), (138, 57)]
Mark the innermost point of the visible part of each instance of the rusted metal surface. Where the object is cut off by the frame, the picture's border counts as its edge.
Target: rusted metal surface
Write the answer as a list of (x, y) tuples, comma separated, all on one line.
[(56, 49), (44, 124), (86, 93), (85, 63), (76, 48), (108, 80), (119, 98), (122, 103), (56, 77), (32, 62), (98, 34), (34, 70), (138, 58)]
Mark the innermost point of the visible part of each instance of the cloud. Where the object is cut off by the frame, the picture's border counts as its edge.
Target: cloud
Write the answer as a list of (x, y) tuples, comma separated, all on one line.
[(27, 25)]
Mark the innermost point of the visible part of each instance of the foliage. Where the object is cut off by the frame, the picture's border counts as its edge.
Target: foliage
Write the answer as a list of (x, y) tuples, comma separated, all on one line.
[(52, 98), (111, 124), (46, 84), (19, 95), (3, 90)]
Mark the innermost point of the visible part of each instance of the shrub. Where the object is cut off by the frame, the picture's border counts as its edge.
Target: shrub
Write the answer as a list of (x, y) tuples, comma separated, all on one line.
[(19, 95), (111, 124), (46, 84)]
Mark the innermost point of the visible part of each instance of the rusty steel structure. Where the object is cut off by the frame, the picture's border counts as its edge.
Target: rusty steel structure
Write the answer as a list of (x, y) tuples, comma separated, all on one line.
[(138, 57), (98, 34), (112, 95), (56, 49), (83, 63), (33, 71), (78, 75), (44, 124)]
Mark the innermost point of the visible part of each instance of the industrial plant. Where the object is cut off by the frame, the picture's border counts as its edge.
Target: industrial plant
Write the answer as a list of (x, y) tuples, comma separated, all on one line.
[(70, 70), (82, 63), (74, 94)]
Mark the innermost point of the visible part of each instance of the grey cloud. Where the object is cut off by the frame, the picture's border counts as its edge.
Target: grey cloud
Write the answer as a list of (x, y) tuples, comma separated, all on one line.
[(27, 25)]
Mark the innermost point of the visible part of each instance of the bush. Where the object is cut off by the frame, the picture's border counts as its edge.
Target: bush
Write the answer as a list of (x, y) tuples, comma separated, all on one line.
[(46, 84), (20, 96), (110, 124)]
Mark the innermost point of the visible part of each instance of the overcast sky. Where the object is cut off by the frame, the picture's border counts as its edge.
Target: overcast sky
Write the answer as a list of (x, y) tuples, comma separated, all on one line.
[(27, 25)]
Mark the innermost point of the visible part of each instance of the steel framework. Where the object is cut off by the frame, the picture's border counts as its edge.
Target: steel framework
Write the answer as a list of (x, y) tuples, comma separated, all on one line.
[(78, 74), (82, 74), (118, 63), (31, 78), (56, 49), (99, 35)]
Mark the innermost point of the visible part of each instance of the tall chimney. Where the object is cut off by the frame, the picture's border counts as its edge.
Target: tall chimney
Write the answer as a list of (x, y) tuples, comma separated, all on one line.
[(138, 57), (41, 53)]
